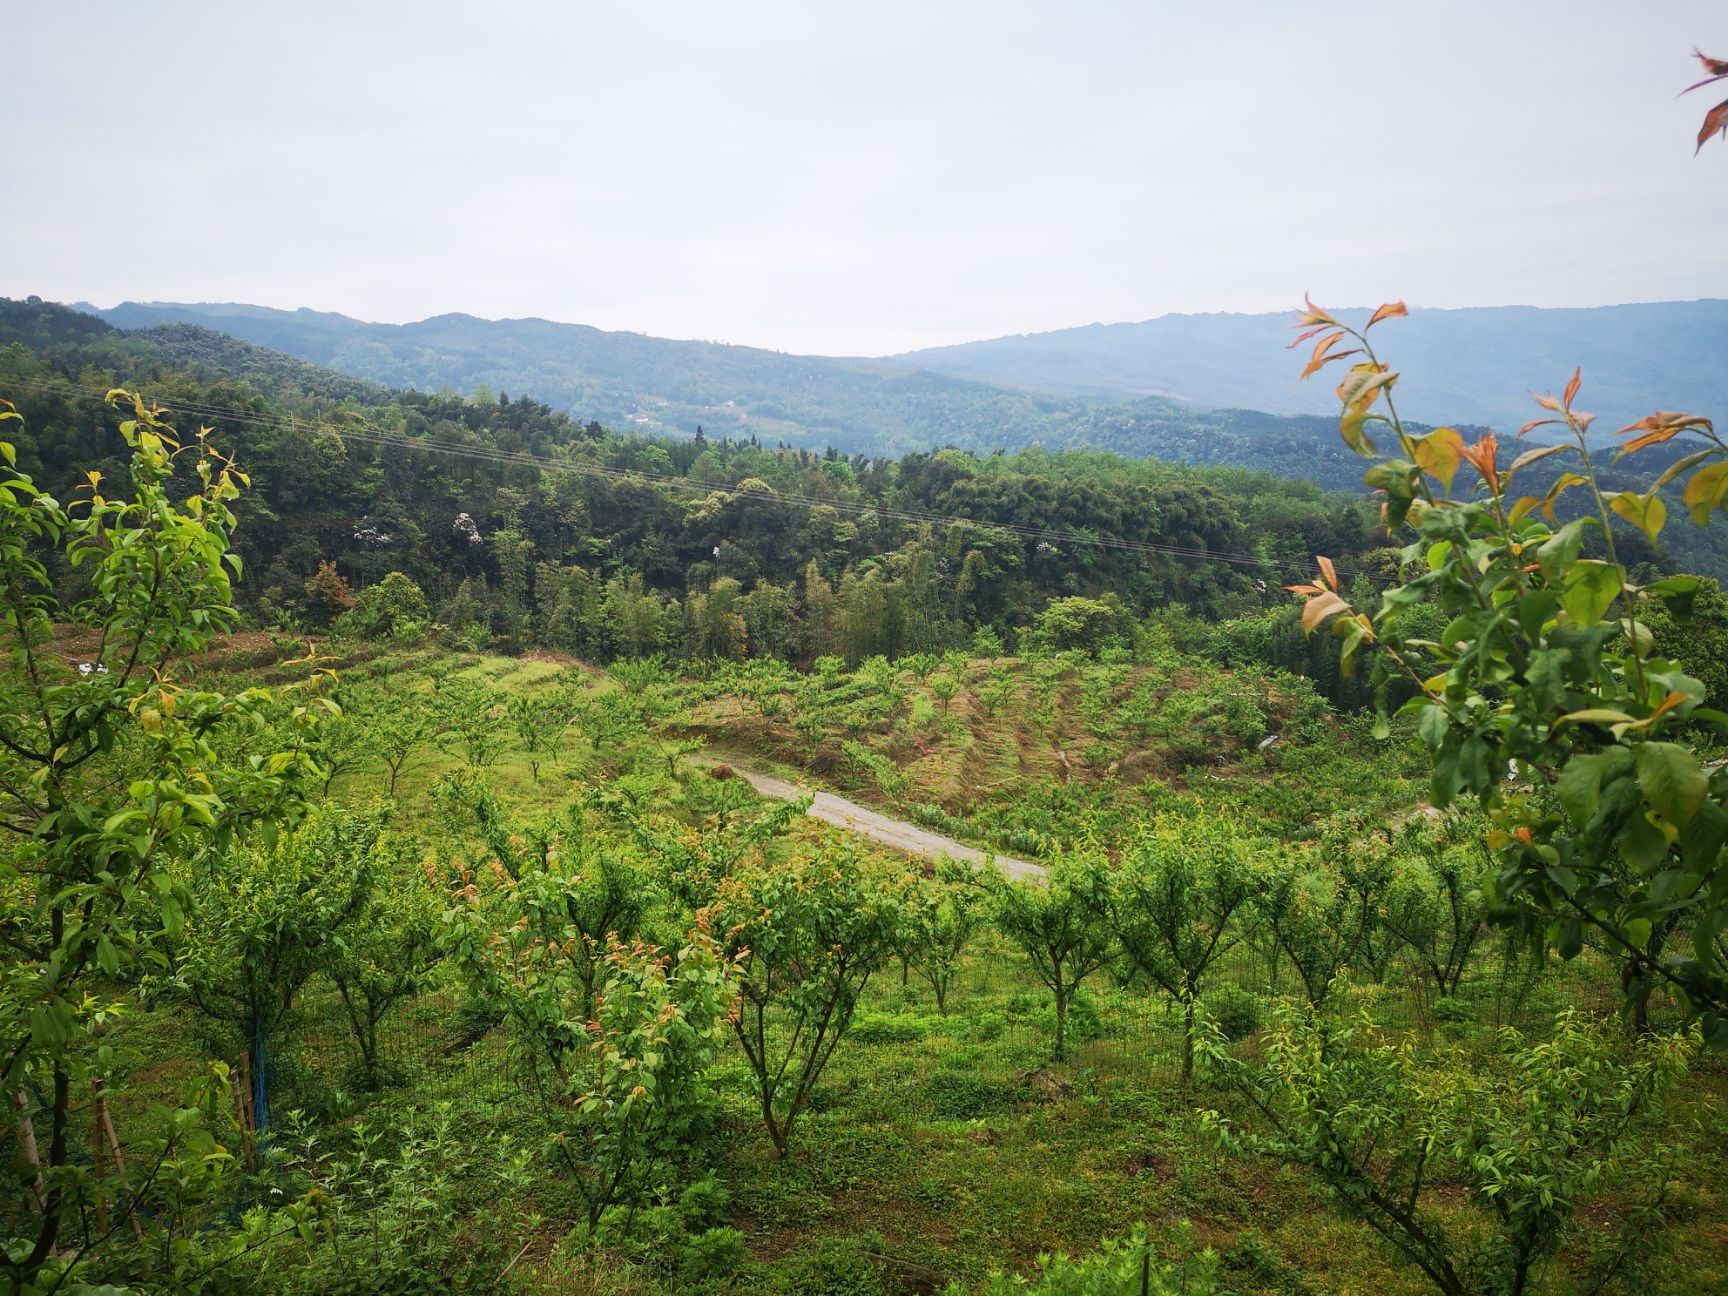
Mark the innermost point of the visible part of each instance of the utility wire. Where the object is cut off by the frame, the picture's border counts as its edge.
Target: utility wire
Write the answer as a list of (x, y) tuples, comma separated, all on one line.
[(370, 433)]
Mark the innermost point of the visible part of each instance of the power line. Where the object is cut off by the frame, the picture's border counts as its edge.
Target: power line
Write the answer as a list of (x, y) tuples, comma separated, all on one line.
[(372, 434)]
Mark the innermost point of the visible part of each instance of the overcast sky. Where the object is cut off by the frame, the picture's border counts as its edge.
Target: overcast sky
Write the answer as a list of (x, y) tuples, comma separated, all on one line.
[(859, 177)]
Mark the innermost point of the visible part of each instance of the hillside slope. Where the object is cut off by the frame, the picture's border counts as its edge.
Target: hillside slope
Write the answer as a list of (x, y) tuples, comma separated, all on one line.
[(656, 385)]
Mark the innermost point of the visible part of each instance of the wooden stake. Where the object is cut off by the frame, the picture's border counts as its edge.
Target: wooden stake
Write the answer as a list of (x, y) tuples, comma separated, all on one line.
[(107, 1118), (98, 1152), (27, 1141)]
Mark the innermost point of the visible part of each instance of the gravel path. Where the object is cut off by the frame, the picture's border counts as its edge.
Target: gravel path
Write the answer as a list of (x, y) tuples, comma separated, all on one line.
[(878, 827)]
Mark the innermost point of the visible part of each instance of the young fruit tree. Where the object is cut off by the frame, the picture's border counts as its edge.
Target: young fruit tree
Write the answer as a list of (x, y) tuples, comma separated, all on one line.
[(268, 919), (387, 954), (1434, 906), (1180, 901), (615, 1052), (807, 933), (1532, 1135), (1062, 924), (596, 891), (943, 913)]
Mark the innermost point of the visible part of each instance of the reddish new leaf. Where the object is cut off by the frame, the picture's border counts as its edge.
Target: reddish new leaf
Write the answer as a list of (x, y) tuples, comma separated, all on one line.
[(1661, 426), (1715, 123), (1320, 358), (1390, 310), (1481, 457), (1313, 314), (1318, 608)]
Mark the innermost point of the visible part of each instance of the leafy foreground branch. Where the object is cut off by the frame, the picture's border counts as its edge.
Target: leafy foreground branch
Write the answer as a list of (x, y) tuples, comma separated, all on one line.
[(1544, 696), (108, 775)]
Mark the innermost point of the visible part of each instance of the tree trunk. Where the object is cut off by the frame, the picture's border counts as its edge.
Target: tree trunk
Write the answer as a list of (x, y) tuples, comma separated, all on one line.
[(53, 1199), (98, 1153), (1061, 1021), (776, 1135), (1188, 1040)]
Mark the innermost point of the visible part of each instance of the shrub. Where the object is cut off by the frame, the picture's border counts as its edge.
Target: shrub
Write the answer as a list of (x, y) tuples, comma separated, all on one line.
[(1237, 1012), (1453, 1010), (394, 608), (1084, 1022), (889, 1028), (966, 1095), (1119, 1268)]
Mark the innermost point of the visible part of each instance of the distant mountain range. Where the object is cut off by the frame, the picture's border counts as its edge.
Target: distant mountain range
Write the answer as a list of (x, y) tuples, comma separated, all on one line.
[(1130, 388), (1474, 366)]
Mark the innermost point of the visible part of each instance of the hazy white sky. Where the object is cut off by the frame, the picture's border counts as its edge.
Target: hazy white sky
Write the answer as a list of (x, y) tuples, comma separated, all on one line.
[(859, 177)]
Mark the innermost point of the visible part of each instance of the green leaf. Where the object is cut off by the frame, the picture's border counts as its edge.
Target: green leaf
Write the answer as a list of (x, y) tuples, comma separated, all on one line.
[(1579, 786), (1642, 844), (1397, 477), (1350, 428), (51, 1024), (1432, 724), (1548, 678), (1590, 590), (1677, 594), (1569, 938), (1473, 763), (1646, 512), (1597, 716), (1557, 554), (1703, 836), (1672, 780)]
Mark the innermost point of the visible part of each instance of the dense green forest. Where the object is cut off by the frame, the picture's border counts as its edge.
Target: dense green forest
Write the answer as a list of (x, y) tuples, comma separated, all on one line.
[(612, 544)]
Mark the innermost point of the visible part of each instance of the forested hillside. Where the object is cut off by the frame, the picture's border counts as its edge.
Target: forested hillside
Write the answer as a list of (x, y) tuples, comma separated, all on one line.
[(635, 382), (609, 544)]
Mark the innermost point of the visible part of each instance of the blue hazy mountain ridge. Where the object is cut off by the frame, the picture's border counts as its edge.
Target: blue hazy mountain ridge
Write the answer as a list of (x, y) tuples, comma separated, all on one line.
[(1473, 366), (1218, 388)]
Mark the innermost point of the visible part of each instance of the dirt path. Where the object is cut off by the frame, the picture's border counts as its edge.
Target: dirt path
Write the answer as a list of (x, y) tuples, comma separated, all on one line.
[(878, 827)]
